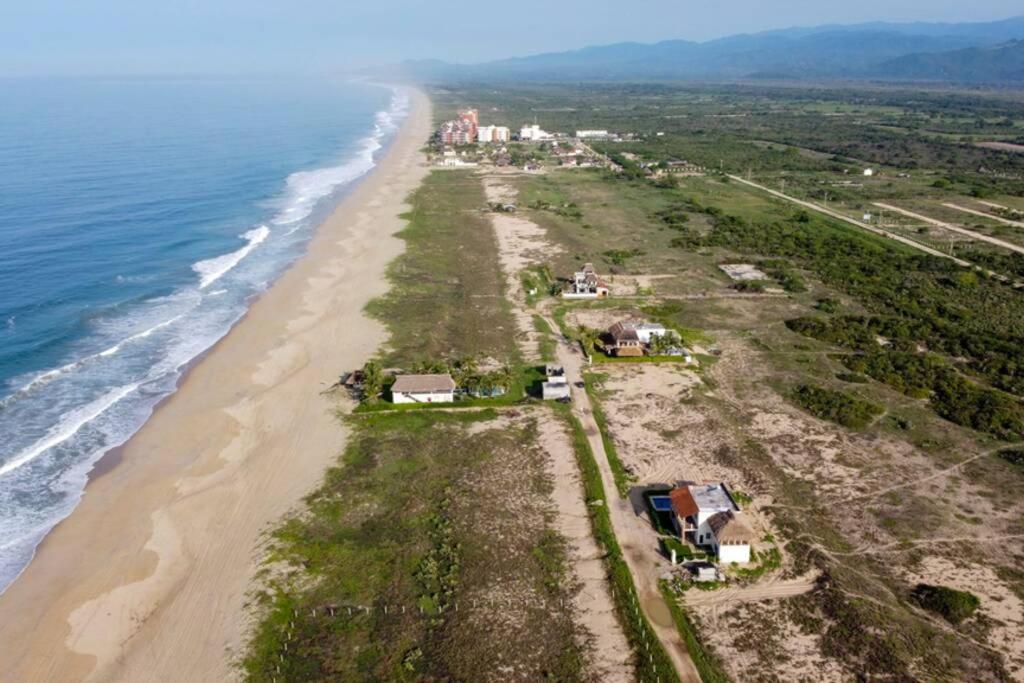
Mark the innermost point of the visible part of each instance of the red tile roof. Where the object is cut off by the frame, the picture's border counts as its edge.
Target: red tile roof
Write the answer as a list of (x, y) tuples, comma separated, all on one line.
[(683, 502)]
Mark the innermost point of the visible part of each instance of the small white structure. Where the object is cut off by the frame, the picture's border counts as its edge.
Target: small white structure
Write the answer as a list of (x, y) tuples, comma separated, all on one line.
[(586, 285), (535, 133), (423, 389), (592, 134), (742, 272), (556, 386), (869, 172), (710, 515)]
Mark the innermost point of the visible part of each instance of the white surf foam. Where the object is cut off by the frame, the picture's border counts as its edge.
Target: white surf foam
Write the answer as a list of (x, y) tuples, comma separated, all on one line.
[(305, 189), (95, 425), (213, 269), (49, 375), (67, 427)]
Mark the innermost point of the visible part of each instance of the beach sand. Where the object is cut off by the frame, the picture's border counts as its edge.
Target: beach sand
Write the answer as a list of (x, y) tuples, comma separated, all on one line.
[(147, 579)]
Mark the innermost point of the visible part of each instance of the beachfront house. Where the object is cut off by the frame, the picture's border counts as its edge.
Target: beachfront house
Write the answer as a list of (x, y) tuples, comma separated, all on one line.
[(423, 389), (586, 285), (708, 515), (634, 337), (622, 341), (556, 385)]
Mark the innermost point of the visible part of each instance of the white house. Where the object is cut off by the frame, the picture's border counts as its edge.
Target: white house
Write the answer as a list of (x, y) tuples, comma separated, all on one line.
[(710, 516), (645, 331), (423, 389), (587, 285), (869, 172), (534, 132), (556, 386)]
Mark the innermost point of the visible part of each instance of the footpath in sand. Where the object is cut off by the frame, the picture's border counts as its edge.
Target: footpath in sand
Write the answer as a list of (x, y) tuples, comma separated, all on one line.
[(523, 243), (146, 580)]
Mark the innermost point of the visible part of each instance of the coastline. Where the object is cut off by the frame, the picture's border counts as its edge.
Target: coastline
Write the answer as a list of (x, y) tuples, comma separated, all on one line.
[(147, 577)]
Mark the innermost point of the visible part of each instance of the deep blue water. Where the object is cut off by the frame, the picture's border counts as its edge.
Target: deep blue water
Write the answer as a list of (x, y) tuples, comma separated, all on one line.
[(137, 220)]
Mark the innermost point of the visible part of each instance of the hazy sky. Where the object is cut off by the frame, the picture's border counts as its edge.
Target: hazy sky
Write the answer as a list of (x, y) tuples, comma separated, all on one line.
[(254, 36)]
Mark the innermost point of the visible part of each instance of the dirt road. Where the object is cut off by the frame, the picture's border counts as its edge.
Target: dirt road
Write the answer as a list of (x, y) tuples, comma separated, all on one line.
[(631, 532), (954, 228), (863, 226)]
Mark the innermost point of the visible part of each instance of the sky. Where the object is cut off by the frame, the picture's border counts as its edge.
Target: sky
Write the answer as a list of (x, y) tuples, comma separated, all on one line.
[(181, 37)]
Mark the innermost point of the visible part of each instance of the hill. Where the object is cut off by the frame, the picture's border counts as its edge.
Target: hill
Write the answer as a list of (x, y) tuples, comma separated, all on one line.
[(970, 52)]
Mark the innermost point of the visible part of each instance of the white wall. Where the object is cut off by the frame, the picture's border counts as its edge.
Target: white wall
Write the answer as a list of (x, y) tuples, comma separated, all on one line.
[(432, 397), (739, 554)]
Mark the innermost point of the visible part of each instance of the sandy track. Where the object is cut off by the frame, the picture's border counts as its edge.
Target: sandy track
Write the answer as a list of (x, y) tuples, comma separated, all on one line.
[(147, 578), (767, 590), (999, 219), (863, 226), (954, 228)]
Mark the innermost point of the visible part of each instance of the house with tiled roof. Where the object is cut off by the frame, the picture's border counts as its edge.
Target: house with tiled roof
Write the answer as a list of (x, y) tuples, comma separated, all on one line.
[(708, 515)]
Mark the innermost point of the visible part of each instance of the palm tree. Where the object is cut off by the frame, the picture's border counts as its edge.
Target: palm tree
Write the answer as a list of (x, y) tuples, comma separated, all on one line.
[(373, 381), (588, 338)]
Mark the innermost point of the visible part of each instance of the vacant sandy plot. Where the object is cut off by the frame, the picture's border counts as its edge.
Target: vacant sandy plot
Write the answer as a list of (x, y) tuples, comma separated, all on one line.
[(521, 244), (1001, 608), (610, 653)]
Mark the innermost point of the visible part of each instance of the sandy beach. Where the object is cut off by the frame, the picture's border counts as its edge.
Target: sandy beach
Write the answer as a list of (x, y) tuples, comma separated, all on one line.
[(147, 579)]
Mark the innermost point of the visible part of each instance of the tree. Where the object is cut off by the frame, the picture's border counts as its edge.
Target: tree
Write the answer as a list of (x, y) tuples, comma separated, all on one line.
[(373, 381), (588, 338)]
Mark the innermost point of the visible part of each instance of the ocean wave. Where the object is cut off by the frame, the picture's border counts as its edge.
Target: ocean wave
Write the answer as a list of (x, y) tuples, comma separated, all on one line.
[(307, 188), (71, 422), (68, 427), (50, 375), (213, 269)]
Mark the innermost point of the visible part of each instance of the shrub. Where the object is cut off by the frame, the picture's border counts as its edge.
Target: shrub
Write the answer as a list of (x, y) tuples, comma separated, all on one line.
[(952, 605), (836, 406)]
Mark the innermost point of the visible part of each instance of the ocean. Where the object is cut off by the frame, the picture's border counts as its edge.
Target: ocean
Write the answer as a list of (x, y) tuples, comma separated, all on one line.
[(138, 219)]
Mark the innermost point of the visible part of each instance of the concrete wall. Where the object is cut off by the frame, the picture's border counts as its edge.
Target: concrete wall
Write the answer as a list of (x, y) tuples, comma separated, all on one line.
[(432, 397)]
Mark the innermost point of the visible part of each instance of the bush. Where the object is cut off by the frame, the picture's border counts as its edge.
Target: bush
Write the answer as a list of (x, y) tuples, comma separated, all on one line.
[(952, 605), (836, 406), (1013, 456)]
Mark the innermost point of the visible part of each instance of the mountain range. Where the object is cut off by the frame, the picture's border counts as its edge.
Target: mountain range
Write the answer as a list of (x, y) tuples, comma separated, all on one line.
[(990, 53)]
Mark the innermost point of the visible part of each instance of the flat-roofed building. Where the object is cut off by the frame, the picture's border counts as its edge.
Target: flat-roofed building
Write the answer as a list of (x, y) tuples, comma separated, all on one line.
[(423, 389)]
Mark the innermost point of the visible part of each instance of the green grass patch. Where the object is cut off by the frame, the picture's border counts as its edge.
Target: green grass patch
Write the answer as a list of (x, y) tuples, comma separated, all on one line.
[(447, 298), (373, 578), (623, 479), (546, 343), (708, 665)]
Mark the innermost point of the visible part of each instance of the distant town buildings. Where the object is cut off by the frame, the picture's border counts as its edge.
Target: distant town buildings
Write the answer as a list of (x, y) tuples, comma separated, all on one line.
[(459, 132), (467, 130), (535, 133), (592, 134), (490, 134)]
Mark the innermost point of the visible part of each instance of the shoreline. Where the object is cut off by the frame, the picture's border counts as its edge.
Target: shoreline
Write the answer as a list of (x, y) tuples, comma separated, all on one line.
[(164, 542)]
